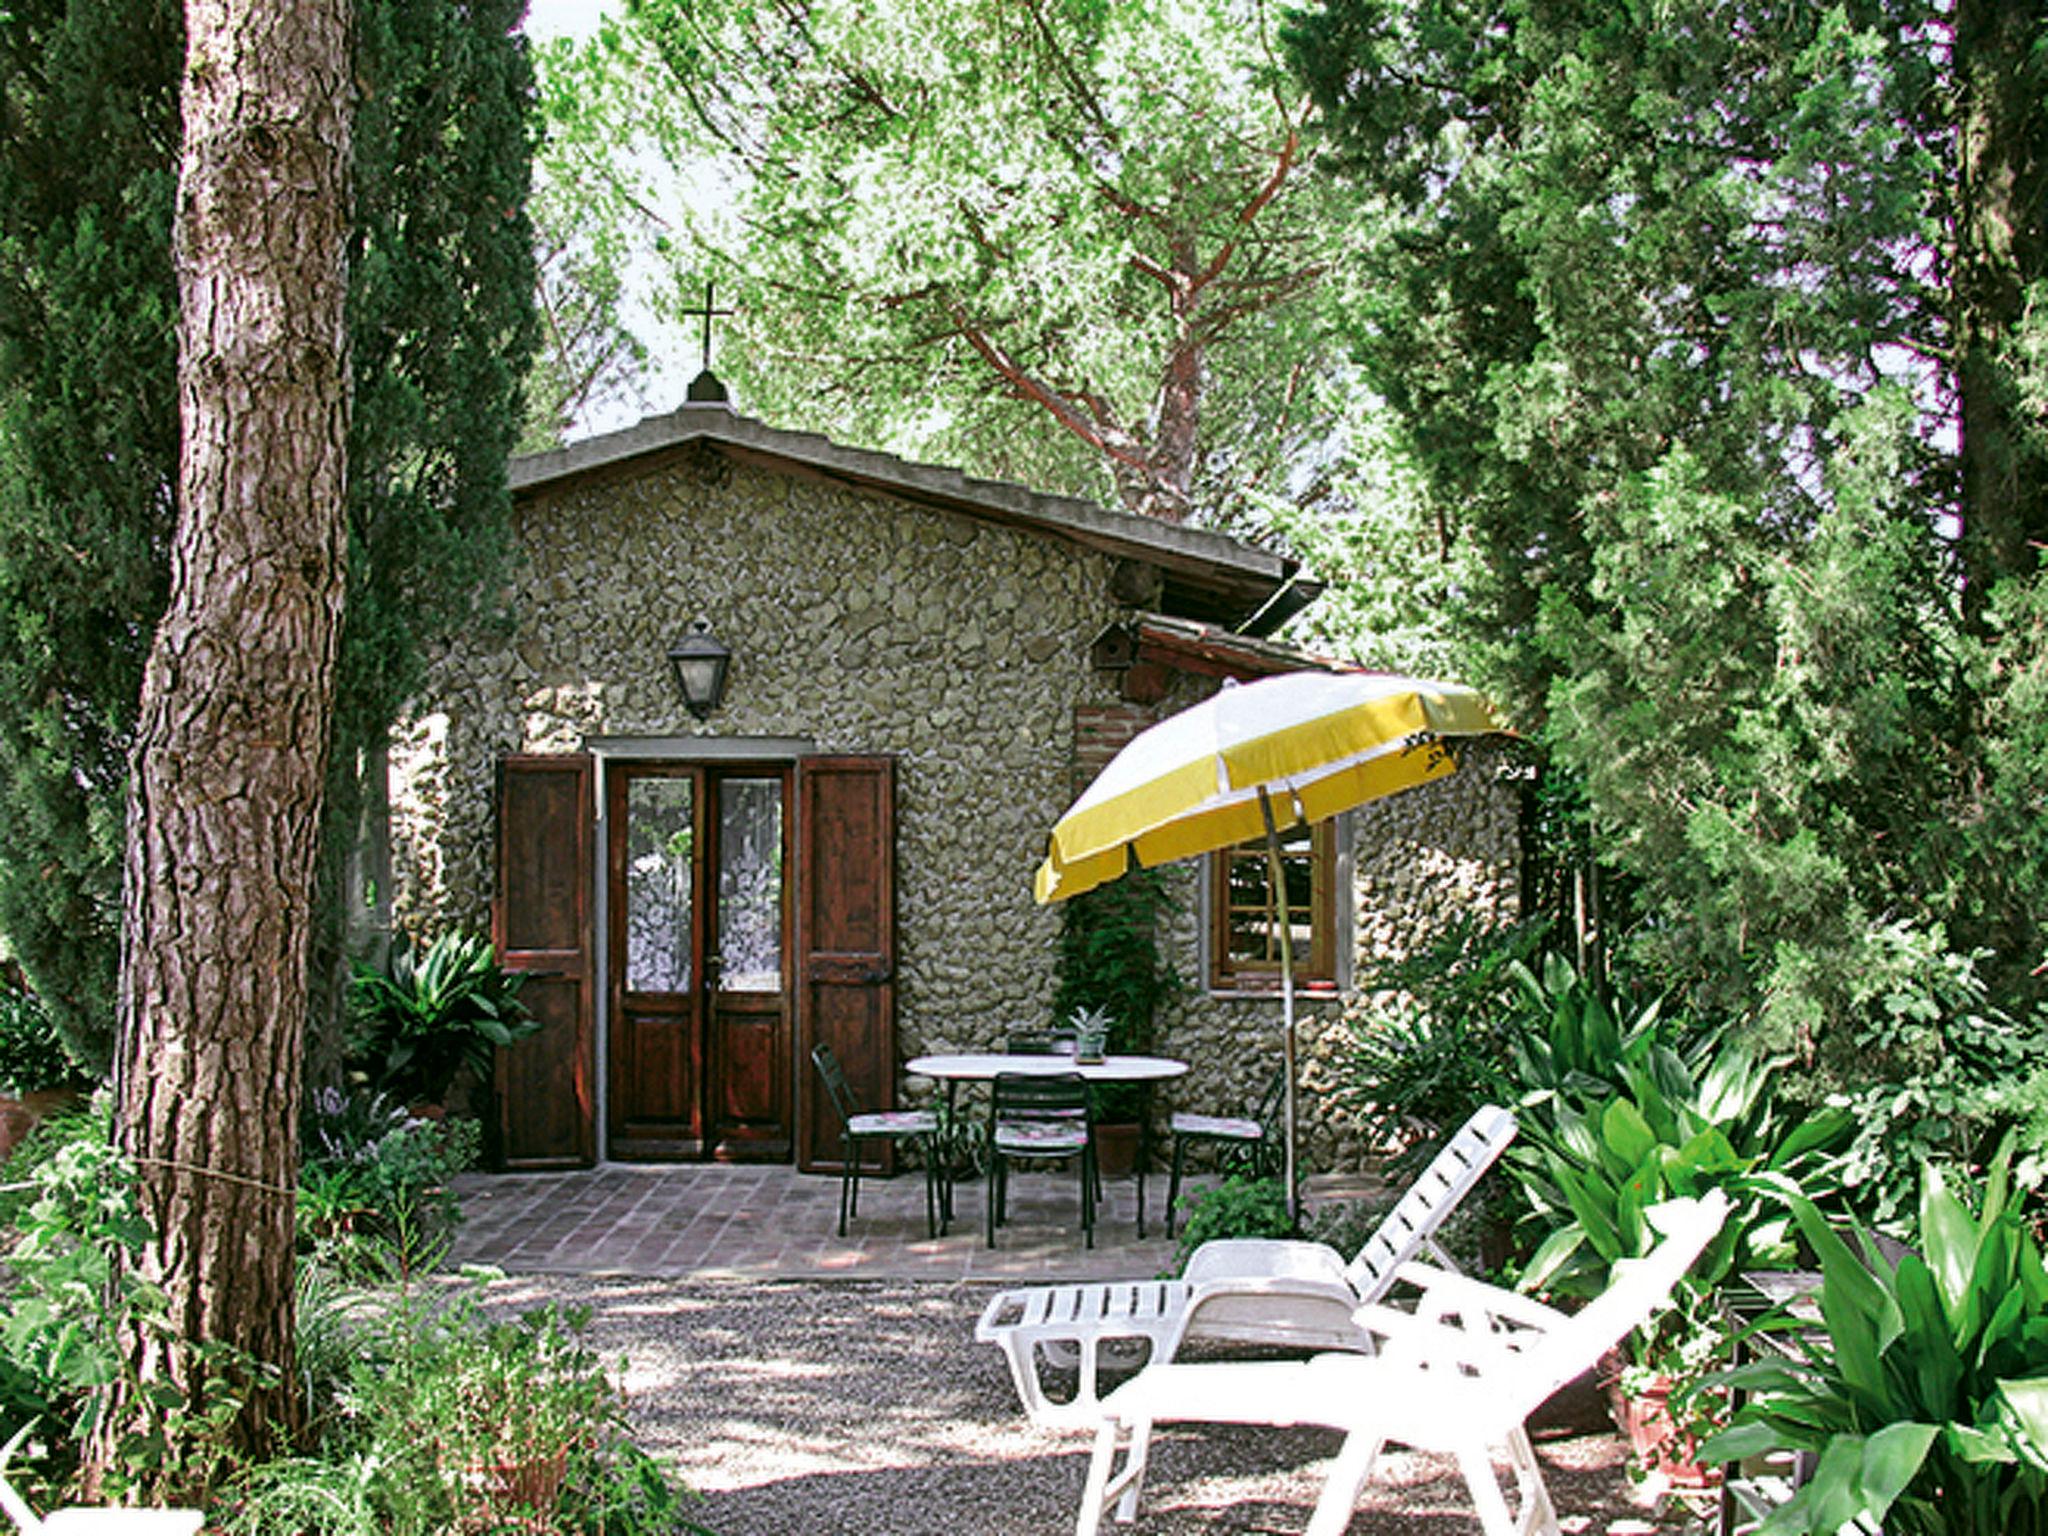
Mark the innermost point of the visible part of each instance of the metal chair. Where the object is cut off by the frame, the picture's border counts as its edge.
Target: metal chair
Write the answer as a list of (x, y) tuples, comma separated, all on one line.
[(1039, 1117), (1248, 1137), (920, 1127)]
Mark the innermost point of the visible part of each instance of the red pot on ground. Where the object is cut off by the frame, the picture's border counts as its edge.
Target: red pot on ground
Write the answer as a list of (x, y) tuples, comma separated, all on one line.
[(22, 1113), (1659, 1444), (1116, 1149)]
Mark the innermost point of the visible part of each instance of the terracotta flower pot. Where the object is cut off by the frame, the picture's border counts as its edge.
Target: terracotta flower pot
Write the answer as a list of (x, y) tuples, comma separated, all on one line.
[(1116, 1149), (22, 1113), (1659, 1444), (517, 1495)]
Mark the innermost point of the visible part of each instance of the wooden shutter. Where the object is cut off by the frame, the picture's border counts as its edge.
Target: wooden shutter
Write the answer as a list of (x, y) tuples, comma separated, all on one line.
[(540, 923), (846, 933)]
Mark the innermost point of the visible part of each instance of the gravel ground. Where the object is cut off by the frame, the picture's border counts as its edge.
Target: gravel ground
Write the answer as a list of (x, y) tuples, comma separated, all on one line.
[(809, 1409)]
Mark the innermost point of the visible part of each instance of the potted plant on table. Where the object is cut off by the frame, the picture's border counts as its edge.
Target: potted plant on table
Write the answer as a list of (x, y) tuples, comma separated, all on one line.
[(1113, 976)]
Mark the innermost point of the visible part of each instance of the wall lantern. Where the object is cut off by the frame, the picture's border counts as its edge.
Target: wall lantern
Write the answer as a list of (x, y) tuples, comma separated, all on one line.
[(700, 663)]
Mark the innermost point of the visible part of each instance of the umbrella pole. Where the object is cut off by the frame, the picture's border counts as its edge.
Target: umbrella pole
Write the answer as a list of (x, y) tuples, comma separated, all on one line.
[(1276, 883)]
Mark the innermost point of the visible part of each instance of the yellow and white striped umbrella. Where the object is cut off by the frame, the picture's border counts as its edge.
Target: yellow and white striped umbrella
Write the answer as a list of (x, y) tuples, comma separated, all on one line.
[(1284, 751), (1316, 743)]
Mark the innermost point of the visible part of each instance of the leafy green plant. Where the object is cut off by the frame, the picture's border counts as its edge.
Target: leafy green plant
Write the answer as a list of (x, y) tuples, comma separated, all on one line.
[(1434, 1039), (1936, 1073), (416, 1027), (1109, 961), (70, 1305), (1239, 1206), (375, 1184), (1618, 1115), (32, 1054), (1572, 1044), (1925, 1396), (1590, 1168), (295, 1495), (1414, 1073), (465, 1422)]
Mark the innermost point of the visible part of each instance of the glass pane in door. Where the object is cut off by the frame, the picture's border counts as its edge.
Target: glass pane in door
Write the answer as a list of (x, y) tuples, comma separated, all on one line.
[(750, 885), (660, 830)]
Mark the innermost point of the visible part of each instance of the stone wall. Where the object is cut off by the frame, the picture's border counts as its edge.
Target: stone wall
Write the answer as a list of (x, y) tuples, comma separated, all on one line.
[(1419, 859), (863, 624), (858, 623)]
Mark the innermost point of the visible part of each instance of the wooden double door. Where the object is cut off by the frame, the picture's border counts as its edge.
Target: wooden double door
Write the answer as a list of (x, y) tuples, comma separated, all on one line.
[(700, 985), (748, 916)]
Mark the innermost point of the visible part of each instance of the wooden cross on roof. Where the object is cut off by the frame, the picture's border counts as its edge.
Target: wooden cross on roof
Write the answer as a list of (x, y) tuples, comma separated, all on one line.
[(706, 313)]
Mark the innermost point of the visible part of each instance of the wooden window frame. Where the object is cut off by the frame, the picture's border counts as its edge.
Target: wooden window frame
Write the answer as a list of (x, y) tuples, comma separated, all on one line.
[(1316, 971)]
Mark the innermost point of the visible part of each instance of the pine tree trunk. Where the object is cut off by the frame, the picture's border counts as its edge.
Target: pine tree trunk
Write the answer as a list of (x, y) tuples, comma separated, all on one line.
[(224, 808)]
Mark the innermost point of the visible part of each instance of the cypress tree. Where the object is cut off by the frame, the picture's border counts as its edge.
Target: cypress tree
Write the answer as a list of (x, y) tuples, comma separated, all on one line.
[(441, 329)]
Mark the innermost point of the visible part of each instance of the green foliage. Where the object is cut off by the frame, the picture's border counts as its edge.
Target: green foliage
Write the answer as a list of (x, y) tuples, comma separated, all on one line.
[(440, 313), (1368, 526), (374, 1184), (1110, 962), (1433, 1040), (1617, 1117), (416, 1404), (70, 1304), (1925, 1394), (1238, 1206), (88, 439), (1098, 265), (1109, 957), (32, 1054), (420, 1024), (446, 1404), (1942, 1074), (297, 1495), (436, 1416), (1739, 521)]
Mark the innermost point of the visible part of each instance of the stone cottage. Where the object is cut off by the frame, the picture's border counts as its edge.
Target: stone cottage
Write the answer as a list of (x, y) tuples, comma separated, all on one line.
[(920, 669)]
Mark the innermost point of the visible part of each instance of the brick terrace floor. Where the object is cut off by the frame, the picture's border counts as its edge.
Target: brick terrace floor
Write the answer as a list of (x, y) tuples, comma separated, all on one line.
[(770, 1222)]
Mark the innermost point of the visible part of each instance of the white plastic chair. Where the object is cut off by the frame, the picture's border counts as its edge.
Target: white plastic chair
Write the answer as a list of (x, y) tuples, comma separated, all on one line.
[(1458, 1376), (111, 1520), (1243, 1290)]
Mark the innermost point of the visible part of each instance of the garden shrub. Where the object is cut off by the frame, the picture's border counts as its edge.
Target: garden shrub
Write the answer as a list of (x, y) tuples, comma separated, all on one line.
[(1924, 1397), (416, 1026), (1435, 1039), (448, 1419), (70, 1304), (374, 1184), (1239, 1206), (1935, 1073), (1109, 964), (32, 1054)]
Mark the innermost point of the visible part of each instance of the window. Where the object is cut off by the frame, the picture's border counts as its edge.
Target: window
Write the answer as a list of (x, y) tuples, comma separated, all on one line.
[(1244, 929)]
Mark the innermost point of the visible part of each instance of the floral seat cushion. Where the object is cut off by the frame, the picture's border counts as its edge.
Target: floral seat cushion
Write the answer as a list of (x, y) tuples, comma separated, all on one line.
[(1044, 1137), (894, 1122), (1225, 1127)]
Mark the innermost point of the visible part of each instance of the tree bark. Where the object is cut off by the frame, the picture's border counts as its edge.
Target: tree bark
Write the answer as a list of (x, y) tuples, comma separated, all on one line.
[(2001, 247), (224, 805)]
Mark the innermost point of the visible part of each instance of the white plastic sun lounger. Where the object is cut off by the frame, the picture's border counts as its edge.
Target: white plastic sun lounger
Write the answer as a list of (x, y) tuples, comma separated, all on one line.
[(1458, 1376), (1244, 1290), (92, 1521)]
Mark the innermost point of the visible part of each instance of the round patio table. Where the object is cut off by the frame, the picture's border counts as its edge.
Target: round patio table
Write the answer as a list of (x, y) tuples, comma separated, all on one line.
[(983, 1067)]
